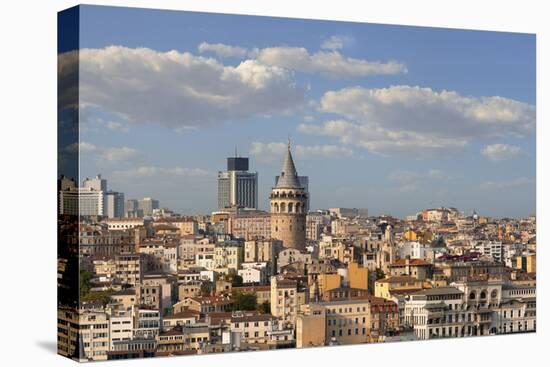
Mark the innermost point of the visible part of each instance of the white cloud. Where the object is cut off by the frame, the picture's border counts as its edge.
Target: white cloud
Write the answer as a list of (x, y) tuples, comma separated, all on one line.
[(274, 152), (419, 122), (438, 174), (501, 152), (223, 50), (115, 125), (336, 42), (410, 181), (328, 63), (89, 122), (160, 172), (179, 89), (104, 154), (382, 141), (516, 182), (117, 154)]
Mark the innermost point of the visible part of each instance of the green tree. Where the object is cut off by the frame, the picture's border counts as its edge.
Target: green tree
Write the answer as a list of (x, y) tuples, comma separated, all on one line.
[(380, 274), (237, 281), (103, 296), (244, 301), (85, 277), (264, 307), (439, 242)]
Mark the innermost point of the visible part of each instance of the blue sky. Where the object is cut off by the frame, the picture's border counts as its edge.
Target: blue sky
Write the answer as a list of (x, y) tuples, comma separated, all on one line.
[(391, 118)]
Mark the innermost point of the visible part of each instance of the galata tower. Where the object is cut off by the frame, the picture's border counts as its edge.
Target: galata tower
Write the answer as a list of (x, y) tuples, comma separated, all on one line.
[(289, 201)]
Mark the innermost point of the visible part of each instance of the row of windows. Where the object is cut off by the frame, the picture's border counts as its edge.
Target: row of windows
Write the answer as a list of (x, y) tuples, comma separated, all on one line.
[(344, 322), (349, 332), (256, 334), (247, 324), (345, 310)]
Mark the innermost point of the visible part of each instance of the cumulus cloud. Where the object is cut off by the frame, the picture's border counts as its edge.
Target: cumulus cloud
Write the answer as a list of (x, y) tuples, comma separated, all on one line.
[(179, 89), (505, 184), (336, 42), (104, 154), (328, 63), (158, 172), (223, 50), (419, 122), (409, 181), (91, 123), (501, 152), (273, 152), (383, 141)]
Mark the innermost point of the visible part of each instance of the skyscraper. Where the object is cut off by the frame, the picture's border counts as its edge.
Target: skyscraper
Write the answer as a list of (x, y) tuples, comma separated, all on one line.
[(237, 186), (93, 189), (131, 208), (289, 202), (83, 201), (88, 200), (115, 204), (146, 205)]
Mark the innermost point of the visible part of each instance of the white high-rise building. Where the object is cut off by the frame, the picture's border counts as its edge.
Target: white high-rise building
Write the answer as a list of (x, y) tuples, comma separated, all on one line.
[(81, 201), (97, 183)]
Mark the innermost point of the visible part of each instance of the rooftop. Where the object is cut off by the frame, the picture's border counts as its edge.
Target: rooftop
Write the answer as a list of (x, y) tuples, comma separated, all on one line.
[(401, 262), (289, 176), (438, 291)]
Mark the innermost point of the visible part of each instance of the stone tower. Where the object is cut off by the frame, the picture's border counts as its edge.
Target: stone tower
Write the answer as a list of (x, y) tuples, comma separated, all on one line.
[(289, 202)]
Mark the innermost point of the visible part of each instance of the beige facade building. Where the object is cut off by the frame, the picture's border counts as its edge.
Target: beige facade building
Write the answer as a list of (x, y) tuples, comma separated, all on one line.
[(185, 226), (385, 288), (228, 255), (284, 299), (347, 321), (86, 329), (358, 276), (124, 299), (417, 268), (251, 226), (263, 251), (310, 326), (252, 326), (129, 269)]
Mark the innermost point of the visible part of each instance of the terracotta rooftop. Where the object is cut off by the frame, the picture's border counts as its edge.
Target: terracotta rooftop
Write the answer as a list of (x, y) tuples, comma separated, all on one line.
[(401, 262), (182, 315), (398, 279)]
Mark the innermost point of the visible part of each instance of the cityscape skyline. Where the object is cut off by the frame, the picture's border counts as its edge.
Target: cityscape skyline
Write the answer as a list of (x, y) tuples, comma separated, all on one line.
[(160, 205), (394, 153), (417, 144)]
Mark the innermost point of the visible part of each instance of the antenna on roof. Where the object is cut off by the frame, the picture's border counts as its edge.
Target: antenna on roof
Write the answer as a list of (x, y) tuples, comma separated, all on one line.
[(288, 141), (236, 152)]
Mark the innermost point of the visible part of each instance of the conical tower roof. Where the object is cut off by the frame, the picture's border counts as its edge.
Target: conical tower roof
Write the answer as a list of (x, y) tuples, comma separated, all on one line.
[(289, 176)]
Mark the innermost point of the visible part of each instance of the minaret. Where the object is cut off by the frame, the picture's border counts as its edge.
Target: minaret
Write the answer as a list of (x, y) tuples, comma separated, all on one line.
[(289, 201)]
